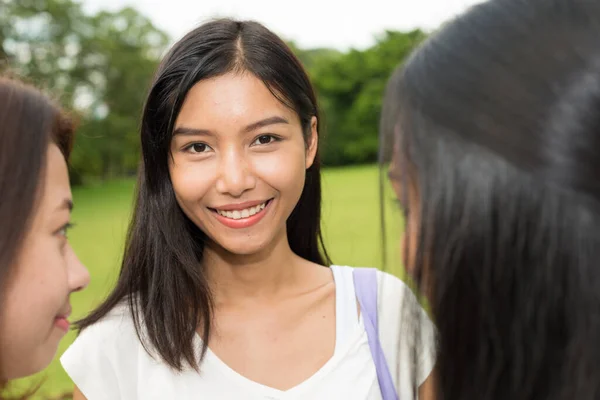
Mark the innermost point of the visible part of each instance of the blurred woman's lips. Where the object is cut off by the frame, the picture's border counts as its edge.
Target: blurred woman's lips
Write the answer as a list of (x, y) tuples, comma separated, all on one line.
[(62, 322)]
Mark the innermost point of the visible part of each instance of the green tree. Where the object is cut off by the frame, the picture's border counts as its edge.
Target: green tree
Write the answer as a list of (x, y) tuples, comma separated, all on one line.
[(101, 66), (39, 39), (350, 89), (98, 65), (121, 56)]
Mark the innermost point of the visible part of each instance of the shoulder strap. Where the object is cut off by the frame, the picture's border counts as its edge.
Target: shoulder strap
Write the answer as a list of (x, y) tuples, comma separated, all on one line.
[(365, 285)]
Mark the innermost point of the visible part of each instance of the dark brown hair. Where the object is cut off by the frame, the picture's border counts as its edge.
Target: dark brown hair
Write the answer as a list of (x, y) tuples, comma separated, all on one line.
[(497, 121), (29, 122), (161, 278)]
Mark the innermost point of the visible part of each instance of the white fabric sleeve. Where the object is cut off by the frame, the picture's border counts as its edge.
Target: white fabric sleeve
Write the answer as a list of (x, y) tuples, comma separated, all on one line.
[(399, 311), (88, 363), (427, 351)]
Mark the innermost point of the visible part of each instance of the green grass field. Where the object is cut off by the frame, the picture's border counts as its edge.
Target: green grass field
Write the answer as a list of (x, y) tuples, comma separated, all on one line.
[(351, 224)]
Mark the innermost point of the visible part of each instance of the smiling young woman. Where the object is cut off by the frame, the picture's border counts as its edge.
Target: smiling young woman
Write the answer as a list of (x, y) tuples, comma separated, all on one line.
[(226, 291)]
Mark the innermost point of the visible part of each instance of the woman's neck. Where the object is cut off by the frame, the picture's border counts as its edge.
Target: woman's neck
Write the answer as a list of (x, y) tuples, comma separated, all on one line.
[(263, 276)]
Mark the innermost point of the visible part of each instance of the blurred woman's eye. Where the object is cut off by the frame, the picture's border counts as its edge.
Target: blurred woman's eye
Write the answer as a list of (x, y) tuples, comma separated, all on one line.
[(64, 230), (400, 204)]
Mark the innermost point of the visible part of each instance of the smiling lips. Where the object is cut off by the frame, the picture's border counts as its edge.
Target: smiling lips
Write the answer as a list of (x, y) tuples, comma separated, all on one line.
[(241, 215)]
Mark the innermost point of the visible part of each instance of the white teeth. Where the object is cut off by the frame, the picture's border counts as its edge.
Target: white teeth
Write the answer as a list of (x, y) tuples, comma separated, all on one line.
[(245, 213)]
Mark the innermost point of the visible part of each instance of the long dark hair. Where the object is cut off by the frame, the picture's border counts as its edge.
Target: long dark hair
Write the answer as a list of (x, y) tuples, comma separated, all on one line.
[(29, 122), (161, 276), (497, 119)]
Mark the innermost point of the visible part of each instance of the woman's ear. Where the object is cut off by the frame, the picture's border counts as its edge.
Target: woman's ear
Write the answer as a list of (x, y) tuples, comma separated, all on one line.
[(312, 143)]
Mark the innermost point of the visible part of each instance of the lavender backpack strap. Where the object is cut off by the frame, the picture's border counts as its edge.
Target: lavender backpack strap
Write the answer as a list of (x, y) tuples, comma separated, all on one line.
[(365, 286)]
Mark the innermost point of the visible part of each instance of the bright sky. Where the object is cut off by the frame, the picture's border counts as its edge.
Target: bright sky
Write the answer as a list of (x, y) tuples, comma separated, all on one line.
[(340, 24)]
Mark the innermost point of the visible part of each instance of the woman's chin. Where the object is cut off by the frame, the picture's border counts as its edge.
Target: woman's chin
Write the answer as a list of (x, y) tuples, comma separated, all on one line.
[(32, 365)]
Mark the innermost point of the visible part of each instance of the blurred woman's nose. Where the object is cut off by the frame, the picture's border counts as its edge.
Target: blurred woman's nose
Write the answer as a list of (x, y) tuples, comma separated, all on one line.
[(78, 275)]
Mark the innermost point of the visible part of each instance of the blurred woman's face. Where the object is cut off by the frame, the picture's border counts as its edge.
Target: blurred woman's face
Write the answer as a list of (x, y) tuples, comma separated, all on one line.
[(406, 194), (36, 298), (406, 191)]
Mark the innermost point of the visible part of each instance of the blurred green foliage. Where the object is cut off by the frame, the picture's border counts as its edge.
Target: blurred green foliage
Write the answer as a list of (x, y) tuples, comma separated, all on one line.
[(100, 66)]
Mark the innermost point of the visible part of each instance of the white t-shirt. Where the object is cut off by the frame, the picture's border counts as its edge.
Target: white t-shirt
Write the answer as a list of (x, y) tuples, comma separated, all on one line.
[(108, 362)]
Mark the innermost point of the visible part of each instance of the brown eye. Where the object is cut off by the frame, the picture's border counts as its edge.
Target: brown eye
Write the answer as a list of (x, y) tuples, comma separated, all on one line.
[(198, 148), (265, 139)]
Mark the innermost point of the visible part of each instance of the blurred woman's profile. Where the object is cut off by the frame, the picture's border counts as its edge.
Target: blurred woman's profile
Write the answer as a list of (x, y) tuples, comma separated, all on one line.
[(38, 268), (493, 131)]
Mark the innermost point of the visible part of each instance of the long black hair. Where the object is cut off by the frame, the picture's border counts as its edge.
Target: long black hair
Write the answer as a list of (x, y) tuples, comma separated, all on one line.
[(497, 123), (162, 277)]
